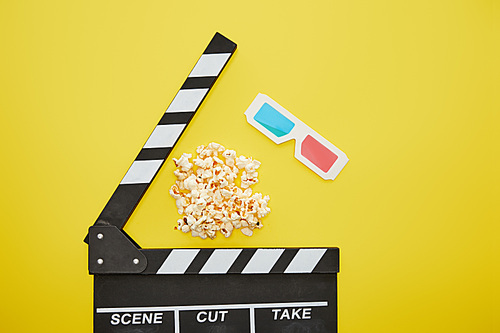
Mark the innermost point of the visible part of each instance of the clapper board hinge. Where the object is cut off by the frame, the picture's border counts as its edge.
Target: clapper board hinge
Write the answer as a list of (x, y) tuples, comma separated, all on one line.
[(112, 251)]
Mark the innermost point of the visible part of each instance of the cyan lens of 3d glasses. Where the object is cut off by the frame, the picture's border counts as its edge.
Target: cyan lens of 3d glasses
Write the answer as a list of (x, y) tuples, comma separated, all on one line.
[(273, 120)]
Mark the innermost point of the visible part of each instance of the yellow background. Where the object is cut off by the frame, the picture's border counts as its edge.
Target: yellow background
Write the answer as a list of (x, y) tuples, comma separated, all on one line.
[(407, 89)]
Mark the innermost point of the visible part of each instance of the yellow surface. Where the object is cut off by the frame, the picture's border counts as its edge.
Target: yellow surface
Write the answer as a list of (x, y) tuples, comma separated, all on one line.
[(408, 89)]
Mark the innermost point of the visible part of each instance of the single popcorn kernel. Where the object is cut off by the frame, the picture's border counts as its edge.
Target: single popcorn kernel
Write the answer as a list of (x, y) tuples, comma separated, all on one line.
[(206, 195)]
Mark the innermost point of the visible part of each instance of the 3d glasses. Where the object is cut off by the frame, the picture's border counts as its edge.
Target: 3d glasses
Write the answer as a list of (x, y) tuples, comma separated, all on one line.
[(311, 149)]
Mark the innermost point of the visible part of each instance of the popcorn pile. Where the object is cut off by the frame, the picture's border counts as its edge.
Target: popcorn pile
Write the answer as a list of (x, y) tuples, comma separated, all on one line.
[(209, 198)]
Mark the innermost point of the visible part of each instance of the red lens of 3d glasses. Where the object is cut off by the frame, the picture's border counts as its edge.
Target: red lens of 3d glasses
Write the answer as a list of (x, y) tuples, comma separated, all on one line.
[(317, 153)]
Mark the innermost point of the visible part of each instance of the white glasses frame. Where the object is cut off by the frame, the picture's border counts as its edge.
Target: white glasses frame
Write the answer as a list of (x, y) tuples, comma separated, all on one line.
[(299, 133)]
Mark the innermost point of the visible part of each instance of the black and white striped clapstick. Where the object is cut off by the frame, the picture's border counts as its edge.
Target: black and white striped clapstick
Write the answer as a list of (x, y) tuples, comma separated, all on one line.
[(242, 261), (168, 131)]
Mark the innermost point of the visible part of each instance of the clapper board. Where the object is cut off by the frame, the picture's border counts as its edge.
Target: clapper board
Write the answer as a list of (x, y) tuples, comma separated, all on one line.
[(207, 290)]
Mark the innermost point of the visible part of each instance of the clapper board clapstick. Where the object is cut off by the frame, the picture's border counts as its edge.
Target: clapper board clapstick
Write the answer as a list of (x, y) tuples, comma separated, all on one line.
[(222, 290)]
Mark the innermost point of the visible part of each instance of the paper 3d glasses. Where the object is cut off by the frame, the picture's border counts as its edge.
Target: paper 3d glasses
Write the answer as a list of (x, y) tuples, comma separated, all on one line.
[(312, 149)]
